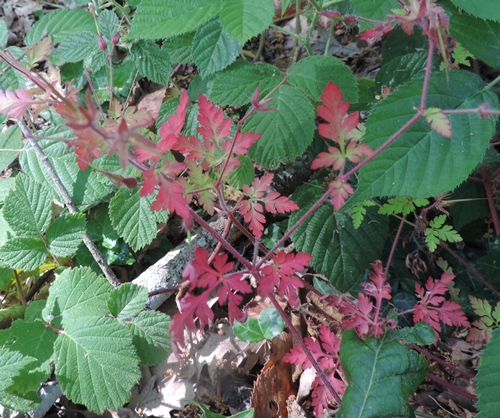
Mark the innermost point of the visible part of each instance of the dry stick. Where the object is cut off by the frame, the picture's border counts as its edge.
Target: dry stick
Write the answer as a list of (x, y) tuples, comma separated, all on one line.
[(468, 267), (452, 387), (98, 257)]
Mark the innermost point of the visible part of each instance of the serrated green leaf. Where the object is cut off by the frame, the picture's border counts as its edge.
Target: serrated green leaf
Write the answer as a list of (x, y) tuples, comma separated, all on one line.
[(421, 333), (108, 24), (155, 19), (179, 48), (398, 43), (312, 74), (132, 218), (152, 62), (28, 208), (100, 227), (4, 34), (285, 133), (245, 19), (402, 205), (340, 252), (12, 364), (77, 293), (236, 84), (23, 253), (476, 35), (474, 207), (85, 187), (484, 9), (487, 380), (5, 186), (437, 222), (10, 78), (267, 325), (95, 363), (244, 173), (150, 336), (127, 300), (65, 234), (358, 212), (414, 165), (34, 310), (10, 146), (76, 47), (369, 9), (381, 386), (60, 24), (213, 48)]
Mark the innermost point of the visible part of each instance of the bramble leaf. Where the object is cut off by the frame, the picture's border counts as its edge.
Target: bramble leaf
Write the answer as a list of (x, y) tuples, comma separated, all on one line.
[(65, 234), (486, 378), (151, 61)]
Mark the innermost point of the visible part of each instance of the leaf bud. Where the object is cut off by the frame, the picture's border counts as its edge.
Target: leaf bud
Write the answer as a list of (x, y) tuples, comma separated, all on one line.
[(103, 46), (116, 38)]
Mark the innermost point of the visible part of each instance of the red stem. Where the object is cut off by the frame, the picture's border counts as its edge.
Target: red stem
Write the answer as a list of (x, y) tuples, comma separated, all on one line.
[(394, 244), (452, 387)]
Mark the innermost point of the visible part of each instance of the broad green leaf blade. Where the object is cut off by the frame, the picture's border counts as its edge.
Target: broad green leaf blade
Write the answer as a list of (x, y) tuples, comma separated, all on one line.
[(150, 335), (287, 132), (236, 84), (100, 227), (375, 10), (245, 19), (490, 263), (5, 186), (10, 145), (127, 300), (76, 47), (155, 19), (23, 253), (152, 62), (179, 48), (96, 364), (474, 207), (379, 386), (108, 24), (476, 35), (340, 252), (484, 9), (28, 208), (213, 48), (33, 339), (85, 187), (60, 24), (421, 333), (65, 234), (244, 173), (267, 325), (132, 218), (421, 162), (312, 74), (12, 363), (487, 380), (75, 294)]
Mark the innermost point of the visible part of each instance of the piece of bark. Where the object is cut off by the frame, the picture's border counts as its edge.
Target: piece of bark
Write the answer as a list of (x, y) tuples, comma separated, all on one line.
[(167, 271)]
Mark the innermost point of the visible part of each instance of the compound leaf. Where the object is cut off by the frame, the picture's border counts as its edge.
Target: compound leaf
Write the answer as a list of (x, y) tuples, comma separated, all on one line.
[(287, 132), (96, 364), (245, 19), (155, 19), (411, 164), (378, 385), (151, 341), (340, 252)]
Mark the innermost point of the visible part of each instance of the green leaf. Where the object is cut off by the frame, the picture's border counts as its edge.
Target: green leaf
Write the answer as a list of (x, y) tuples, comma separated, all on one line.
[(412, 164), (34, 310), (9, 77), (476, 207), (150, 335), (484, 9), (244, 173), (358, 212), (76, 47), (10, 145), (60, 24), (421, 333), (490, 263), (77, 293), (402, 205), (287, 132), (179, 48), (398, 43), (28, 208), (209, 414), (132, 218), (488, 384), (4, 34), (155, 19), (13, 363), (85, 187), (378, 386), (476, 35), (108, 24), (65, 234), (340, 252), (5, 186), (237, 83), (213, 48), (267, 325), (152, 62), (100, 228), (312, 74), (95, 362), (23, 253), (127, 300), (369, 9), (245, 19)]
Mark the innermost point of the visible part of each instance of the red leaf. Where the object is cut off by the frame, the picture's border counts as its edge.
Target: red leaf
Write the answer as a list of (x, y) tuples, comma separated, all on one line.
[(213, 125), (171, 129), (339, 192), (15, 104)]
